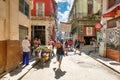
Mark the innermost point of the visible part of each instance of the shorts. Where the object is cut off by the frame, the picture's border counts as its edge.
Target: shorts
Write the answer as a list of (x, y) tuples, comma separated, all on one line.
[(59, 57)]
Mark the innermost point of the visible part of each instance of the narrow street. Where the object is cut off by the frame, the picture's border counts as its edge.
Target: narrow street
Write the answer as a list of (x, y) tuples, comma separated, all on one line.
[(32, 29), (74, 67)]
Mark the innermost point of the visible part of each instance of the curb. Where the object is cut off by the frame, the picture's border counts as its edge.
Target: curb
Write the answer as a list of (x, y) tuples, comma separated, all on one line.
[(104, 64), (28, 70)]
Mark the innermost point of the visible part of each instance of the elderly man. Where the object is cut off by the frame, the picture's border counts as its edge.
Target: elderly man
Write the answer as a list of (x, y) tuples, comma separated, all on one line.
[(26, 50)]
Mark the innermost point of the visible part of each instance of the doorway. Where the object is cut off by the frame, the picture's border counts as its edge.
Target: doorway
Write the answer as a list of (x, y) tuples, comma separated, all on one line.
[(88, 39), (38, 31)]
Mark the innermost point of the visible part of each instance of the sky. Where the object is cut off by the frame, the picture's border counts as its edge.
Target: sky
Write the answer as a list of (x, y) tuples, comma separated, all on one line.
[(64, 7)]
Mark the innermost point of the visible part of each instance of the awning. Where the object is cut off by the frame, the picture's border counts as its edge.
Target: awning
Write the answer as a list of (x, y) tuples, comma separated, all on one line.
[(112, 11)]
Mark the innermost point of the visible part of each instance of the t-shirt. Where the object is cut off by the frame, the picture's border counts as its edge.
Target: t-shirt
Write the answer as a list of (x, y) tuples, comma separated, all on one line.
[(60, 50)]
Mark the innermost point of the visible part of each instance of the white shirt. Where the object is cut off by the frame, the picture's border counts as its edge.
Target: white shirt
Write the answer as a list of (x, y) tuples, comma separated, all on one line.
[(26, 45), (94, 44)]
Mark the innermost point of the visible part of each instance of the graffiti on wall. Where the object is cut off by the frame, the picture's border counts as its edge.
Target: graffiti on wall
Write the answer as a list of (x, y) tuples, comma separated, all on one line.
[(113, 38)]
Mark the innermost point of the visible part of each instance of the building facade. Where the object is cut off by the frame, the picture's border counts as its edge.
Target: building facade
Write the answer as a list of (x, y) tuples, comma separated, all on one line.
[(83, 16), (15, 25), (43, 20), (111, 28)]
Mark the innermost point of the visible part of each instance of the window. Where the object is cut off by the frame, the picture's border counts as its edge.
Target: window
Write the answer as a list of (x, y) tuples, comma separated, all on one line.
[(90, 7), (24, 7), (39, 9), (21, 5), (22, 32)]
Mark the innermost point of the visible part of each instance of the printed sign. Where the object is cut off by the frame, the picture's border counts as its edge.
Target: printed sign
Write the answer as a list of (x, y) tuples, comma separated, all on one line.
[(98, 26), (65, 27), (89, 31)]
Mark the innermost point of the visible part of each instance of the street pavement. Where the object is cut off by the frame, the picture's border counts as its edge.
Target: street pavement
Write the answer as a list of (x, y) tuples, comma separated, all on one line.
[(74, 67), (114, 65)]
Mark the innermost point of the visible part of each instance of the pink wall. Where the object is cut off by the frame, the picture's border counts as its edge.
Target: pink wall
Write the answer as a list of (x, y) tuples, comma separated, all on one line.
[(49, 7)]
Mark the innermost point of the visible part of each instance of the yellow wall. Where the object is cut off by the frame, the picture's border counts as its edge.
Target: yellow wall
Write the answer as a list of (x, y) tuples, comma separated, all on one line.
[(2, 19), (10, 19), (10, 45), (96, 6), (82, 7)]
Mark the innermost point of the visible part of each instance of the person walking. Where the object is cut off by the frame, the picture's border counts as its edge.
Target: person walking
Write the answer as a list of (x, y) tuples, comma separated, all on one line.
[(52, 44), (59, 53), (94, 44), (77, 45), (26, 51), (65, 46)]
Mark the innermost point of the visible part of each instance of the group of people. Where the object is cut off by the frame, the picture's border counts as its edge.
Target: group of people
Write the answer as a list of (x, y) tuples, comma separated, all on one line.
[(26, 49), (61, 48)]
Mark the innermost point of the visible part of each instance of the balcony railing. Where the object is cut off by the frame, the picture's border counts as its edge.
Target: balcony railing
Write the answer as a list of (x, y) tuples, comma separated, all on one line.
[(80, 15), (42, 18)]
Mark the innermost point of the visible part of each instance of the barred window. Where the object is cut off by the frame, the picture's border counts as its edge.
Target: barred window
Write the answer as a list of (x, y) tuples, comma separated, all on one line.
[(90, 7)]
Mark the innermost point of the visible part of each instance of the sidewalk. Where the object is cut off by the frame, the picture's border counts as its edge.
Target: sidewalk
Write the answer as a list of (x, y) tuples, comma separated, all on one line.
[(20, 71), (114, 65)]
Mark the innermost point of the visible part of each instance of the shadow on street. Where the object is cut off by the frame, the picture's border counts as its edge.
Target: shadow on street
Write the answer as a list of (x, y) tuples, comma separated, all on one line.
[(17, 70), (43, 65), (113, 63), (58, 73)]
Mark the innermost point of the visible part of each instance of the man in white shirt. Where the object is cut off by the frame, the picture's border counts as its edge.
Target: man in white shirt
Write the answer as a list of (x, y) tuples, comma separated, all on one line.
[(26, 50)]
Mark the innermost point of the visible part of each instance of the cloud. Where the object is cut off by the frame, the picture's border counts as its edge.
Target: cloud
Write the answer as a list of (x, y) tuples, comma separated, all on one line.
[(63, 14), (69, 1), (61, 1)]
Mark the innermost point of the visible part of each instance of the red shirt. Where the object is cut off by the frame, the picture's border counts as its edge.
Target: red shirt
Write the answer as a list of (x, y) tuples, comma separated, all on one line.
[(70, 42)]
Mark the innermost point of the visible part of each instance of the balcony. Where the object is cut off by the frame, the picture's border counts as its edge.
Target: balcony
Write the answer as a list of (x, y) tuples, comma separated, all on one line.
[(42, 18)]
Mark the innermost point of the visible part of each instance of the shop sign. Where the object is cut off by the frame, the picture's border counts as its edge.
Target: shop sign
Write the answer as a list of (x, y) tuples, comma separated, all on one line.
[(98, 26), (89, 31), (65, 27)]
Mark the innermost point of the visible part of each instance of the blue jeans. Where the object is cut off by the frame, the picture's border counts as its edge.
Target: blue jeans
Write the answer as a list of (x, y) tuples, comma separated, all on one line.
[(26, 58)]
